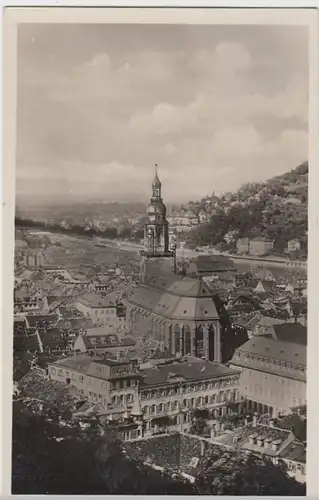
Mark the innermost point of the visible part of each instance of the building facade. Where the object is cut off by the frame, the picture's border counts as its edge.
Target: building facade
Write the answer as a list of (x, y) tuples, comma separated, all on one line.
[(161, 397), (242, 245), (260, 246), (273, 374)]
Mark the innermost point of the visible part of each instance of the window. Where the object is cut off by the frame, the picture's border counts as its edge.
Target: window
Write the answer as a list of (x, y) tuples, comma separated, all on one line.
[(153, 408)]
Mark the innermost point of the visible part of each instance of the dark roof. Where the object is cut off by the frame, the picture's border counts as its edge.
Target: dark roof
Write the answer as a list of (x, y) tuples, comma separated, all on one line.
[(52, 338), (209, 264), (188, 370), (52, 300), (294, 451), (33, 320), (25, 343), (104, 341), (291, 332)]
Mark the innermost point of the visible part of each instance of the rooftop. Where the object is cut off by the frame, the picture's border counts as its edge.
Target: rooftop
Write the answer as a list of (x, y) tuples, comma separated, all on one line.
[(264, 348), (94, 300), (294, 451), (94, 366), (176, 298), (188, 369), (241, 438), (291, 332)]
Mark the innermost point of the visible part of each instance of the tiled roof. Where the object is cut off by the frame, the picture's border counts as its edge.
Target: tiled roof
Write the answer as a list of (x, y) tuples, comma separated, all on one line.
[(285, 351), (240, 438), (34, 320), (268, 348), (294, 451), (184, 299), (94, 300), (189, 370), (94, 366)]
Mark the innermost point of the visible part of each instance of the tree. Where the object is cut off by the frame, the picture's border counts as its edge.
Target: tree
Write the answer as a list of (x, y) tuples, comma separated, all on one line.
[(50, 458), (236, 473)]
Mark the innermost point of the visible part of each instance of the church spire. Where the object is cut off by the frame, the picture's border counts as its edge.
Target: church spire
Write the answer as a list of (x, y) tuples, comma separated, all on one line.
[(156, 185)]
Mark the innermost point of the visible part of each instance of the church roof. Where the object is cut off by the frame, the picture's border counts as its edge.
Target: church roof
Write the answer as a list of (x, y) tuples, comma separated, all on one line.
[(176, 298)]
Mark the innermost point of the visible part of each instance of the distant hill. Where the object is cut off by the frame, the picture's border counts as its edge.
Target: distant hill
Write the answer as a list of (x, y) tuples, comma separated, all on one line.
[(276, 209)]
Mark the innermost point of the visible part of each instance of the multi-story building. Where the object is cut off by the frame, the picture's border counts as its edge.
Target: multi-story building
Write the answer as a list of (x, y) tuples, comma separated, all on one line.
[(101, 310), (170, 393), (273, 373), (293, 245), (260, 246), (102, 381), (242, 245), (164, 396)]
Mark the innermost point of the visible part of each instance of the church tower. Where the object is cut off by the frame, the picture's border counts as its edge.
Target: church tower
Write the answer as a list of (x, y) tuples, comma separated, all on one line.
[(156, 235)]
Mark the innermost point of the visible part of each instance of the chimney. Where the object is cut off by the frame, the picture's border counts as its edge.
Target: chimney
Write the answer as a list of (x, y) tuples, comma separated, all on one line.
[(212, 433), (246, 421), (275, 445), (271, 423), (252, 439), (255, 420), (267, 443), (202, 448)]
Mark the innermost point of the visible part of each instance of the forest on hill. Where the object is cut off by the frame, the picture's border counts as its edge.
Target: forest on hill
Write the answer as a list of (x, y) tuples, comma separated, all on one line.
[(276, 209)]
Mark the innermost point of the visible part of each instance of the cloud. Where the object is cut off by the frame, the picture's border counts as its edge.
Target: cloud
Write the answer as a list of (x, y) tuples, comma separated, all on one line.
[(170, 148), (213, 112)]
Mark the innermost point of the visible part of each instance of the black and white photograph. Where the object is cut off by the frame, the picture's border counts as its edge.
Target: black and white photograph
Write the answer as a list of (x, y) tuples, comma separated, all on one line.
[(159, 323)]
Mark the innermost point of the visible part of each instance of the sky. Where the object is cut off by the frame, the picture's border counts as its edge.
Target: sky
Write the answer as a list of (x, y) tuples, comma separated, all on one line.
[(215, 106)]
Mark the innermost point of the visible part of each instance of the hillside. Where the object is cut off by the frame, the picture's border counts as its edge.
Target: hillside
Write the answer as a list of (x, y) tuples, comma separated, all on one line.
[(275, 209)]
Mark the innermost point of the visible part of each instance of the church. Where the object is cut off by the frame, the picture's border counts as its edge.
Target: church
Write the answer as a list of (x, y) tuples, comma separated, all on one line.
[(173, 307)]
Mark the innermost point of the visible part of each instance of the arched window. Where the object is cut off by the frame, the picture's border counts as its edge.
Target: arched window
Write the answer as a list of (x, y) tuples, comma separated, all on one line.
[(187, 340), (177, 339), (170, 339)]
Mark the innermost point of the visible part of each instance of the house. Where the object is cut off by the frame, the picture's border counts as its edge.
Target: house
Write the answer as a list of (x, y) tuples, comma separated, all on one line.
[(242, 304), (260, 246), (261, 325), (242, 245), (272, 442), (172, 389), (293, 245), (264, 286), (101, 310), (50, 304), (25, 303), (103, 343), (41, 321)]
